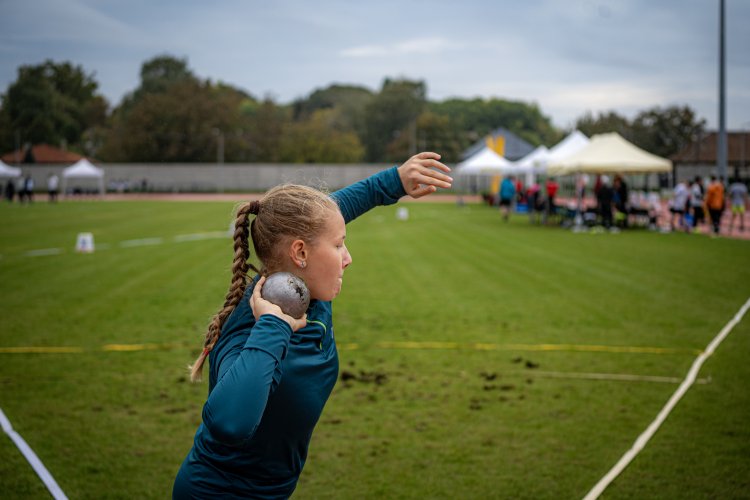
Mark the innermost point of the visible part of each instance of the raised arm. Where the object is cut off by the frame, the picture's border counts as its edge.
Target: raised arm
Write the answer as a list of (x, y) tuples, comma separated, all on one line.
[(417, 177), (237, 402), (249, 372)]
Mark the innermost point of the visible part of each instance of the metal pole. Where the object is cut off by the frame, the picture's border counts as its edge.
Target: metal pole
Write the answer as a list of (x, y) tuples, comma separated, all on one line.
[(721, 145)]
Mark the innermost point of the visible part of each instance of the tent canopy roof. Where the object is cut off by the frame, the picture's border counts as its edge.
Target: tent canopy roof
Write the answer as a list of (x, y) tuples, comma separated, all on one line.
[(486, 161), (532, 159), (610, 153), (8, 171), (83, 168)]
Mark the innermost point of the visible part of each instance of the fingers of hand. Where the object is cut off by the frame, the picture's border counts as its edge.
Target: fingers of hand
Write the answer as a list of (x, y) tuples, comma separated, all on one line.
[(299, 323), (435, 164), (423, 191), (428, 154), (437, 175), (424, 178)]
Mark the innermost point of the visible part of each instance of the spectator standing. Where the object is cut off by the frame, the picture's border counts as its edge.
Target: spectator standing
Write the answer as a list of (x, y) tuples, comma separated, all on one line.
[(739, 200), (697, 202), (520, 192), (507, 194), (605, 201), (10, 190), (53, 183), (28, 185), (678, 204), (21, 188), (551, 187), (621, 200), (715, 203), (532, 199)]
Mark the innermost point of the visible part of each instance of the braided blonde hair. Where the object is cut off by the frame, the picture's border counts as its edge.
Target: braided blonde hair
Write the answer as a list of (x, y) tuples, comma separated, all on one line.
[(285, 213)]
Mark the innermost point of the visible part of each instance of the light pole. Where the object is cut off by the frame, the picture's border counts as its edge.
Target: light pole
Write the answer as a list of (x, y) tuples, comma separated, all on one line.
[(743, 141), (721, 145)]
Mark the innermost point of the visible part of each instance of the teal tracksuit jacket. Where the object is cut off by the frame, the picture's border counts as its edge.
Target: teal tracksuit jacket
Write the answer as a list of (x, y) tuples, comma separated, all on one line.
[(268, 385)]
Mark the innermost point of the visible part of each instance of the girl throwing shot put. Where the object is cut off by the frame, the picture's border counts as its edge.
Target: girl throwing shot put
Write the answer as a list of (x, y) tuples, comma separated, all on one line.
[(270, 374)]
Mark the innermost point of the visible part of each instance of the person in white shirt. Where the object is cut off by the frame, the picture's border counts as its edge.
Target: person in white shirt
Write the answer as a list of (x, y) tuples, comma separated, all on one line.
[(678, 204), (738, 198), (52, 187)]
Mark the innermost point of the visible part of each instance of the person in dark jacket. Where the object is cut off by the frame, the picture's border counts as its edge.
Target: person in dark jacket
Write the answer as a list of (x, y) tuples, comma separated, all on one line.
[(605, 202), (270, 374)]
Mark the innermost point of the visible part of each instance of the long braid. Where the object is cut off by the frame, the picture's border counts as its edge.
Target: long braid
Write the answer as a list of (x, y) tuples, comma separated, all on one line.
[(240, 266), (288, 211)]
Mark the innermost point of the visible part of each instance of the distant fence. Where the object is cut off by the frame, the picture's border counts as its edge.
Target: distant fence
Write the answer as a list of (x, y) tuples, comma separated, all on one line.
[(209, 177), (258, 177)]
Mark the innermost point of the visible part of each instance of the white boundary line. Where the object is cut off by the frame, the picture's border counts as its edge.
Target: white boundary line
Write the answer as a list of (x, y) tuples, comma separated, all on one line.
[(43, 251), (180, 238), (628, 457), (30, 456)]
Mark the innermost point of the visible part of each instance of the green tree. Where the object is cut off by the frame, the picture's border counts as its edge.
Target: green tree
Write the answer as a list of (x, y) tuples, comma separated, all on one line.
[(475, 118), (50, 103), (175, 117), (433, 132), (604, 123), (264, 125), (391, 113), (665, 131), (162, 127), (348, 102), (661, 131), (318, 140)]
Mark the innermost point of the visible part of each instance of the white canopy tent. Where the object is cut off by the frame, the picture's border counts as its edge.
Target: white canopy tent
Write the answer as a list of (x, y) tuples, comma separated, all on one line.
[(574, 142), (610, 153), (8, 171), (486, 162), (528, 164), (83, 169)]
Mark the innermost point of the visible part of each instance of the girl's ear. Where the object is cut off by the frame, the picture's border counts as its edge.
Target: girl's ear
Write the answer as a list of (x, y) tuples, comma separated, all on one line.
[(298, 253)]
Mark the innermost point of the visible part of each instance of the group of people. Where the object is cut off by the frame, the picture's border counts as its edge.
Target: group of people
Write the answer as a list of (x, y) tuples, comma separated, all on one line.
[(691, 200), (512, 192), (692, 203), (612, 201), (23, 188)]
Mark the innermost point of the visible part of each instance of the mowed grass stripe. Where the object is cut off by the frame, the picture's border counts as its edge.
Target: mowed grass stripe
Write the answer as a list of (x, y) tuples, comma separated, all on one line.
[(435, 426), (350, 346)]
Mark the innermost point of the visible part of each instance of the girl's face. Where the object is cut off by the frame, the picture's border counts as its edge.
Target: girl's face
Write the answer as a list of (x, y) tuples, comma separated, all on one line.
[(326, 260)]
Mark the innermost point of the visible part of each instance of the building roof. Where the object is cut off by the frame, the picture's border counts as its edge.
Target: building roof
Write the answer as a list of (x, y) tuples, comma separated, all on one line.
[(703, 151), (515, 147), (41, 153)]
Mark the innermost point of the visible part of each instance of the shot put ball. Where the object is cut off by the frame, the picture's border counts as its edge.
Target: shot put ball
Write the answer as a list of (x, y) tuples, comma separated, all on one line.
[(287, 291)]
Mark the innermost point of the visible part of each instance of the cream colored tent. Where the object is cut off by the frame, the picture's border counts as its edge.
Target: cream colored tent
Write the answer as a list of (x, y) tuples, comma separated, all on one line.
[(609, 153)]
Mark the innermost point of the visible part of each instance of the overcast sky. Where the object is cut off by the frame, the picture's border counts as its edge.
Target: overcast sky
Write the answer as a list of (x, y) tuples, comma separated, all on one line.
[(568, 56)]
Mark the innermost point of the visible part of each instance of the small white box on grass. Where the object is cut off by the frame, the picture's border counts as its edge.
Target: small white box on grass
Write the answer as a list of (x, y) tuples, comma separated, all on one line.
[(85, 243)]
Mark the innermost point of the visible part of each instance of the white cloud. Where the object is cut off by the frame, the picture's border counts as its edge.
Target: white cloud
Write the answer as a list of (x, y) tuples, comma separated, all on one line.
[(568, 57), (365, 51), (428, 45)]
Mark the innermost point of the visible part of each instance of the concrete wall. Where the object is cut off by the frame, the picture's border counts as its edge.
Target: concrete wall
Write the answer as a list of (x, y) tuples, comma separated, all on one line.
[(210, 177)]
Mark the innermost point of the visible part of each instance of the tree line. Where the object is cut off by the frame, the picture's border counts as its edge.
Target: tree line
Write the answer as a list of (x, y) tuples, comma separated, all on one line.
[(175, 116)]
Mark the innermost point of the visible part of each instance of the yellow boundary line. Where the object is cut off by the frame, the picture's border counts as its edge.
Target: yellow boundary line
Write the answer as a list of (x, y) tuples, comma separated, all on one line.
[(350, 346)]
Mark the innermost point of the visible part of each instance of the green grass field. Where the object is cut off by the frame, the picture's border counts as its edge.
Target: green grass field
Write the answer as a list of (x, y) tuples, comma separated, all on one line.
[(463, 341)]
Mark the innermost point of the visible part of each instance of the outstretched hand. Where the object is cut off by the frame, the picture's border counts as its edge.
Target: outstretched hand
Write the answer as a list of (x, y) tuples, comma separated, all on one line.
[(419, 177), (261, 306)]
